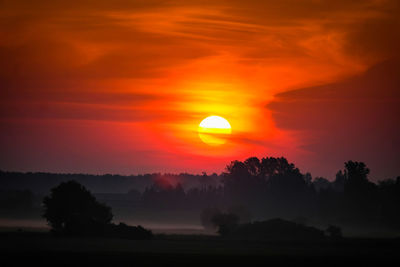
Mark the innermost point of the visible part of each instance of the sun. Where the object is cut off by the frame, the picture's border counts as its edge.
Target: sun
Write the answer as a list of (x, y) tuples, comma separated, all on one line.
[(214, 130)]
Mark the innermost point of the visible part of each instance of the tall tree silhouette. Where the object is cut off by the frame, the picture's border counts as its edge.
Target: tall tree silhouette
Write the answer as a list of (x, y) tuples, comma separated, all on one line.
[(72, 209), (360, 194), (244, 183), (260, 183)]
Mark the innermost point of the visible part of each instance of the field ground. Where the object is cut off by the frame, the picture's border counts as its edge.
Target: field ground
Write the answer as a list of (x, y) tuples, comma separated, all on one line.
[(190, 250)]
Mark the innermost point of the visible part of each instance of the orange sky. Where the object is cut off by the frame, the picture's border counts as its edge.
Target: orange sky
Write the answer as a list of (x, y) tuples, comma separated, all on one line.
[(121, 86)]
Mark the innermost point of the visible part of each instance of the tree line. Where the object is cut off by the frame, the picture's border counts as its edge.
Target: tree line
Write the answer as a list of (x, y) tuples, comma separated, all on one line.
[(272, 187), (256, 189)]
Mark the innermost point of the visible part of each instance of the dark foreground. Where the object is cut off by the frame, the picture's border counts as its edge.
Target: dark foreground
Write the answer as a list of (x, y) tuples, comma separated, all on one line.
[(42, 249)]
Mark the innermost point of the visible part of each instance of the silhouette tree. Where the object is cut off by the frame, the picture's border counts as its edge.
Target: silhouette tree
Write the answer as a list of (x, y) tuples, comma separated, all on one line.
[(360, 194), (321, 183), (261, 184), (356, 175), (340, 180), (71, 209)]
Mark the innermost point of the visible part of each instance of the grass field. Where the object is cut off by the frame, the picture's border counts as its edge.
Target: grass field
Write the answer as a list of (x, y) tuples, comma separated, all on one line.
[(190, 250)]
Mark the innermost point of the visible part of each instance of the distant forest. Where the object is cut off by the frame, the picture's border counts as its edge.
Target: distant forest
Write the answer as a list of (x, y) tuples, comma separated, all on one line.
[(253, 189), (42, 182)]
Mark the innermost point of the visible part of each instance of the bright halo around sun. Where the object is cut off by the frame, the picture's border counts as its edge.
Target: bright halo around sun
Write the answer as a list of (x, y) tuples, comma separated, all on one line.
[(214, 130)]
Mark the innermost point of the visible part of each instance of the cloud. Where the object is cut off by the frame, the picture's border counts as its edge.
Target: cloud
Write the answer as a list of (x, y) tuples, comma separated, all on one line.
[(353, 119), (377, 38)]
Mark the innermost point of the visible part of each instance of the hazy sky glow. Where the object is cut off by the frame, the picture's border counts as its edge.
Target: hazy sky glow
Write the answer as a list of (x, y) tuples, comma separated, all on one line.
[(121, 86)]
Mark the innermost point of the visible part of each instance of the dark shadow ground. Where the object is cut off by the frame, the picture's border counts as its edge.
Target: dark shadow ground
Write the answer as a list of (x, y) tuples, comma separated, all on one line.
[(18, 249)]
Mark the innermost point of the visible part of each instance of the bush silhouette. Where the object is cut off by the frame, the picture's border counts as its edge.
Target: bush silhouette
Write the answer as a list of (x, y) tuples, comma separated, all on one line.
[(226, 223), (72, 210), (334, 232), (277, 229), (206, 217), (128, 232)]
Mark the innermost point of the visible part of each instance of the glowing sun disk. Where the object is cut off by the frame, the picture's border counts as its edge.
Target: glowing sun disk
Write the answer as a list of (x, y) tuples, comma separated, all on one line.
[(213, 130)]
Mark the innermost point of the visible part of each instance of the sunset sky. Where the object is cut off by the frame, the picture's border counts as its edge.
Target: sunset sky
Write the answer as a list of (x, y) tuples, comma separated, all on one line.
[(121, 86)]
